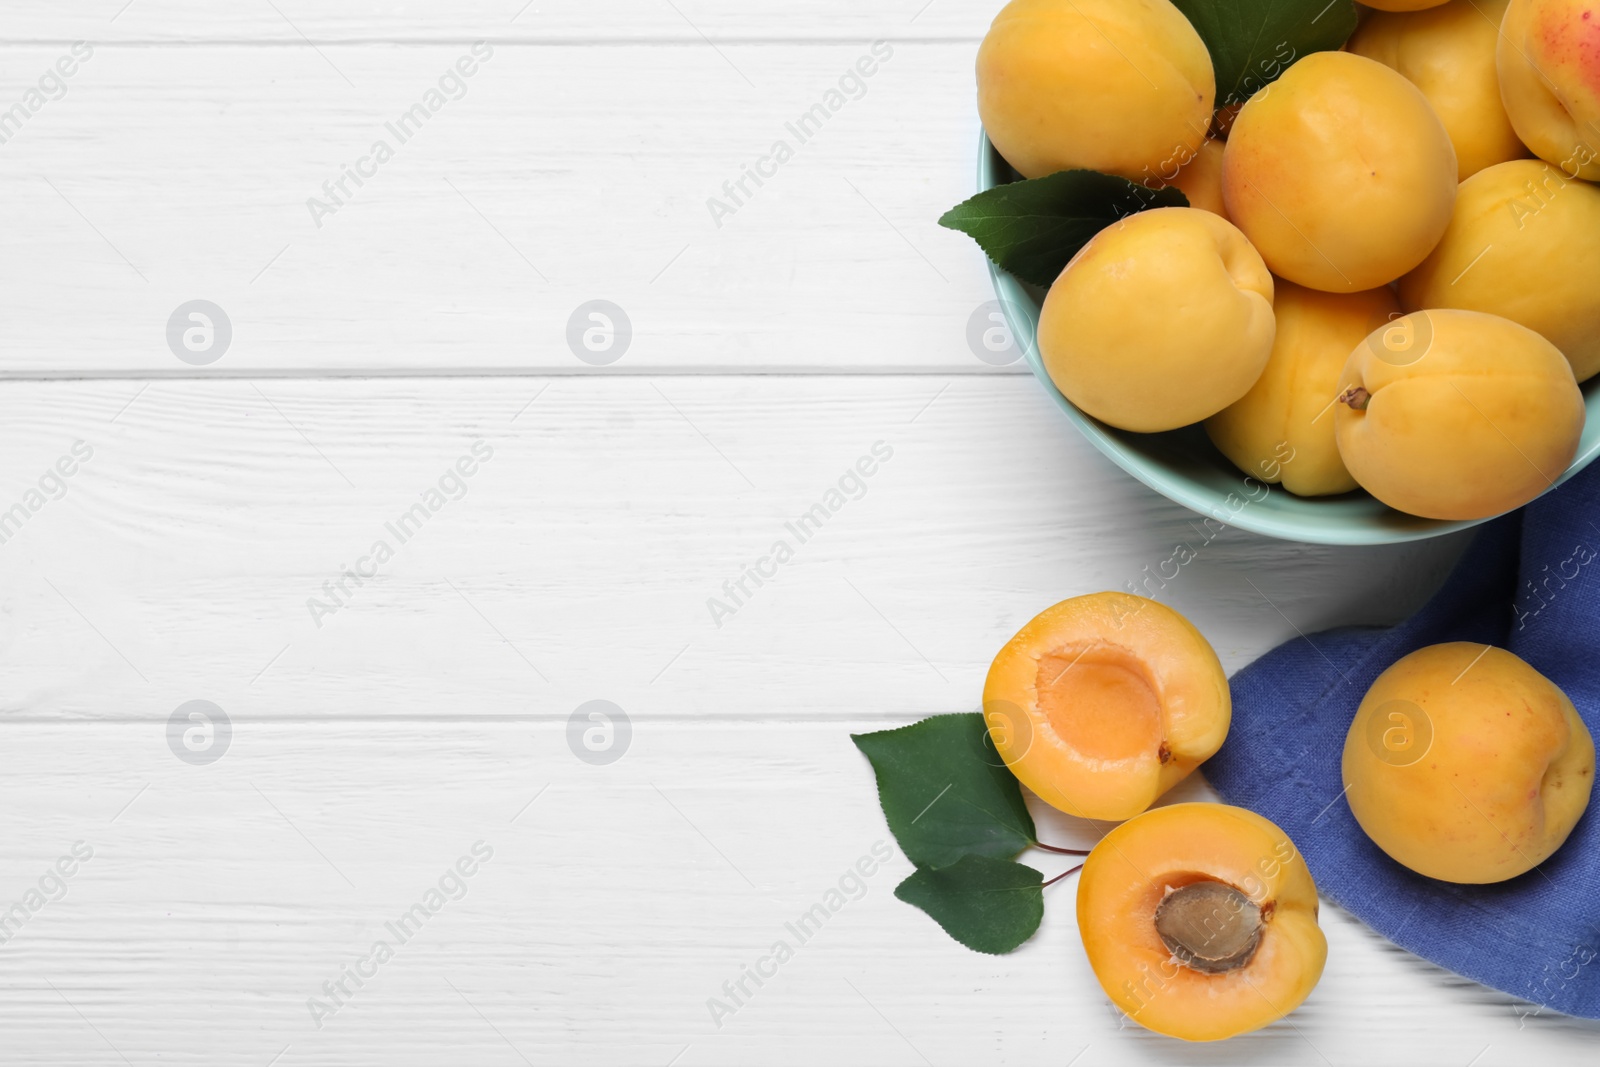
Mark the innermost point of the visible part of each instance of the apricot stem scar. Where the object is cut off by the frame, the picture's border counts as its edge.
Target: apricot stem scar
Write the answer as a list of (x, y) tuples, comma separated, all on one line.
[(1356, 397)]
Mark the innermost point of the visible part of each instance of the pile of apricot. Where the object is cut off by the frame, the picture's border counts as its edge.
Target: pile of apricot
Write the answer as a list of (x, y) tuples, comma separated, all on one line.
[(1199, 920), (1388, 267)]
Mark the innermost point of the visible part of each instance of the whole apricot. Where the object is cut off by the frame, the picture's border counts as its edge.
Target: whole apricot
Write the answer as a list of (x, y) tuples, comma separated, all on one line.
[(1457, 414), (1524, 243), (1121, 86), (1161, 320), (1282, 429), (1465, 764), (1200, 921), (1448, 52), (1104, 702), (1549, 63), (1200, 179), (1340, 173)]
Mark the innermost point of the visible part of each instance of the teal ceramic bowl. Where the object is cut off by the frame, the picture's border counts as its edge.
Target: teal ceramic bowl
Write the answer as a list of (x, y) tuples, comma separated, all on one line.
[(1183, 465)]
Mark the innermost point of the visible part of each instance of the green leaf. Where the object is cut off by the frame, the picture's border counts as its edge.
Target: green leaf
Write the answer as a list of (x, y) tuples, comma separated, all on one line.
[(945, 792), (1032, 228), (1253, 41), (989, 905)]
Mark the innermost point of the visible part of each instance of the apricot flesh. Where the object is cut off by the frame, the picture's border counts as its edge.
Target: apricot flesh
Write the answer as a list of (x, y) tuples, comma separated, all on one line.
[(1448, 52), (1457, 414), (1200, 921), (1523, 243), (1109, 351), (1282, 429), (1340, 173), (1103, 702), (1121, 86), (1548, 58), (1465, 764)]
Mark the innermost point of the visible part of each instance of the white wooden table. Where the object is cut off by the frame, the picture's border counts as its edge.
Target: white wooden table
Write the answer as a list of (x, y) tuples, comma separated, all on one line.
[(372, 743)]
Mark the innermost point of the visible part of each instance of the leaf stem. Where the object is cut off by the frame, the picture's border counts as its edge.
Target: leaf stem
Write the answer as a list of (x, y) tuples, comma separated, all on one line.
[(1062, 851), (1063, 874)]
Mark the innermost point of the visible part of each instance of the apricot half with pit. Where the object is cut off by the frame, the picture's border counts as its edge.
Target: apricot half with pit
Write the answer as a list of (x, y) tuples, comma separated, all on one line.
[(1465, 764), (1200, 921), (1103, 702)]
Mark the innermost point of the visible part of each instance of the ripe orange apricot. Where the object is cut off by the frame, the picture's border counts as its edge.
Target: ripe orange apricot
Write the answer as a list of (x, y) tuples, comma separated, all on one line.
[(1340, 173), (1164, 318), (1524, 242), (1448, 53), (1200, 921), (1104, 702), (1200, 179), (1457, 414), (1282, 429), (1548, 56), (1465, 764), (1121, 86)]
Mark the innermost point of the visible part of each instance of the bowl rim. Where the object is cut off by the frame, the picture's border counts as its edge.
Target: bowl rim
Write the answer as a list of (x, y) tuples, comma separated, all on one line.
[(1014, 298)]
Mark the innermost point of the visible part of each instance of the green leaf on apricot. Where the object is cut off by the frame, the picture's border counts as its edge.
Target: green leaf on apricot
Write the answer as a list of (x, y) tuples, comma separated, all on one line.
[(1252, 42), (945, 793), (1032, 228), (989, 905)]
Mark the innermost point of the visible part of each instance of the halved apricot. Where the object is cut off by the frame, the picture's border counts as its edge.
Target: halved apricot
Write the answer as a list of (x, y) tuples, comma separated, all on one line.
[(1104, 702), (1200, 921)]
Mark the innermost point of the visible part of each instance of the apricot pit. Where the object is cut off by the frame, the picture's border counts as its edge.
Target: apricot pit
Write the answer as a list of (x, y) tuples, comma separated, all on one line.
[(1209, 926)]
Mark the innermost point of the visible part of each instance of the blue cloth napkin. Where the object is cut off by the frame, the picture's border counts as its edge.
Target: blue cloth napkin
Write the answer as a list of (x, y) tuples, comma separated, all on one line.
[(1530, 582)]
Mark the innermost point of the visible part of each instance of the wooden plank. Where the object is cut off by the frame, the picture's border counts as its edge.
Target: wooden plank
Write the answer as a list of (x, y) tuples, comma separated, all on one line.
[(295, 21), (219, 899), (202, 550), (559, 176)]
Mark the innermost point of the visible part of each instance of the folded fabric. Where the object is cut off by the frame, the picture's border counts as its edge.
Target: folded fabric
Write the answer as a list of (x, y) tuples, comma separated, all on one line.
[(1530, 582)]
